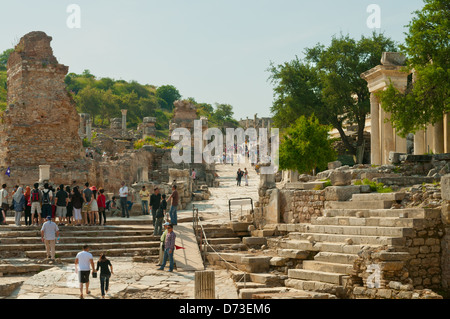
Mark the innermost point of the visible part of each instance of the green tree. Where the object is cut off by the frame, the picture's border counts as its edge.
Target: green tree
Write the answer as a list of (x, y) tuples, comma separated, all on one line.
[(169, 94), (4, 58), (223, 115), (428, 52), (328, 83), (306, 146)]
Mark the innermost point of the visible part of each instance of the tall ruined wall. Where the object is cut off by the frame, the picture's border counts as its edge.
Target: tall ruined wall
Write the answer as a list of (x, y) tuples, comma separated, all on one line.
[(40, 125)]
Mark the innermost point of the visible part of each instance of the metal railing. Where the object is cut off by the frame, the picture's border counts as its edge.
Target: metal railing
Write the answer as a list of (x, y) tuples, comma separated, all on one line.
[(240, 202)]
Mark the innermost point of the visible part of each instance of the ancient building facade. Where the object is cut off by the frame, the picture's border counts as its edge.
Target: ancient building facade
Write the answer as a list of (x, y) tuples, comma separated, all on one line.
[(264, 122), (436, 137), (40, 125)]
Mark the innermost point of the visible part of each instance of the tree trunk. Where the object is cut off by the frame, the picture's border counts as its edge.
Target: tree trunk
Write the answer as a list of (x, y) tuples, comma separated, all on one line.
[(344, 139)]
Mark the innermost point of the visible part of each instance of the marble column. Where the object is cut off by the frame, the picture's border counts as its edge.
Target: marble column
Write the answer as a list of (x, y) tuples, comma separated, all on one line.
[(400, 144), (429, 134), (419, 143), (438, 137), (89, 129), (375, 147), (447, 133), (388, 138), (124, 121)]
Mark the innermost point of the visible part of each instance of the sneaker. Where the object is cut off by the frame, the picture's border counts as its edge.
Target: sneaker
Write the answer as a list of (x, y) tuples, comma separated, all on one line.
[(160, 268)]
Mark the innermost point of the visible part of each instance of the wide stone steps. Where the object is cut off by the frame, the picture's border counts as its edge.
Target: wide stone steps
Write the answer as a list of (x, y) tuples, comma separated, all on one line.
[(221, 241), (377, 204), (116, 252), (356, 239), (82, 233), (336, 258), (315, 275), (371, 221), (378, 197), (76, 246), (19, 269), (357, 230), (327, 267), (380, 213), (317, 286), (64, 239)]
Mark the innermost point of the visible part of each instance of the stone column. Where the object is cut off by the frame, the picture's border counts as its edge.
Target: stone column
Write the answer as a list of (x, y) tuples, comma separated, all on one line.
[(375, 147), (388, 138), (447, 133), (205, 284), (419, 143), (400, 144), (429, 138), (124, 121), (44, 173), (89, 129), (438, 137)]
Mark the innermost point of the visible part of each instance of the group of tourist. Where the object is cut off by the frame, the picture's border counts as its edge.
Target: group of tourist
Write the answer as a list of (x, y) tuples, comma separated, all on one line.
[(67, 204)]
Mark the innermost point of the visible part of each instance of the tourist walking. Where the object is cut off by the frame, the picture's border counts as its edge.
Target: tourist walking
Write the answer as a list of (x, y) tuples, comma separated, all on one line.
[(169, 248), (239, 177), (27, 195), (104, 264), (174, 204), (123, 194), (162, 243), (93, 213), (246, 176), (155, 202), (36, 199), (69, 216), (62, 199), (144, 194), (83, 263), (77, 203), (87, 201), (101, 202), (18, 204), (49, 233), (160, 213), (47, 196)]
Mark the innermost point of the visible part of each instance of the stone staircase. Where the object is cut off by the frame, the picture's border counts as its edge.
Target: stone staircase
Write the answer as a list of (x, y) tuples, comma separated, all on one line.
[(336, 239), (22, 252), (226, 237)]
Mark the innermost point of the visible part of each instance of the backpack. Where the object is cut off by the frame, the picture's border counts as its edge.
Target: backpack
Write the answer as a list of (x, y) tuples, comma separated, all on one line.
[(46, 198), (34, 196)]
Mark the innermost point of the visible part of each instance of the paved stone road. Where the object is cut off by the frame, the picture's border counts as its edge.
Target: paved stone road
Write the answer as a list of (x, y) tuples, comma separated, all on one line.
[(142, 280)]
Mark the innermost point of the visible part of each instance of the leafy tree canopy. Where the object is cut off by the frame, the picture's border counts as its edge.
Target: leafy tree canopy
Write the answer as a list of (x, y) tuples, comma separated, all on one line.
[(169, 94), (328, 83), (428, 52), (306, 146)]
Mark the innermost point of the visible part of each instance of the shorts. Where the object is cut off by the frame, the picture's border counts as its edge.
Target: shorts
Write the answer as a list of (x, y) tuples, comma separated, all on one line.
[(86, 207), (84, 276), (61, 211), (36, 208)]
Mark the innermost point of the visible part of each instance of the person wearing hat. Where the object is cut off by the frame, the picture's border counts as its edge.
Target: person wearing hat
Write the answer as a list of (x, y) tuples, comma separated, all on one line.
[(161, 245), (49, 233)]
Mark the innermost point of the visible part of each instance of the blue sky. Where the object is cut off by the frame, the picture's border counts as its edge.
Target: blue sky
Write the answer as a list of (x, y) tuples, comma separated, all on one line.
[(212, 50)]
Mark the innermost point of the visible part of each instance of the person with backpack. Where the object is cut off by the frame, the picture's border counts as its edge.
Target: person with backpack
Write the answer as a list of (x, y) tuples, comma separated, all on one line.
[(160, 216), (69, 215), (77, 203), (35, 200), (47, 197), (62, 199)]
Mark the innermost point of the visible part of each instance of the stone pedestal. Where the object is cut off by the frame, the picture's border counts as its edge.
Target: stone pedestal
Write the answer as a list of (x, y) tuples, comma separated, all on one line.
[(89, 130), (44, 173)]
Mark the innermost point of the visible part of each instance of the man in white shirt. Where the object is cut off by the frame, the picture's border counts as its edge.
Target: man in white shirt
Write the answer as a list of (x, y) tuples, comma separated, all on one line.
[(49, 233), (123, 193), (83, 263), (4, 198)]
